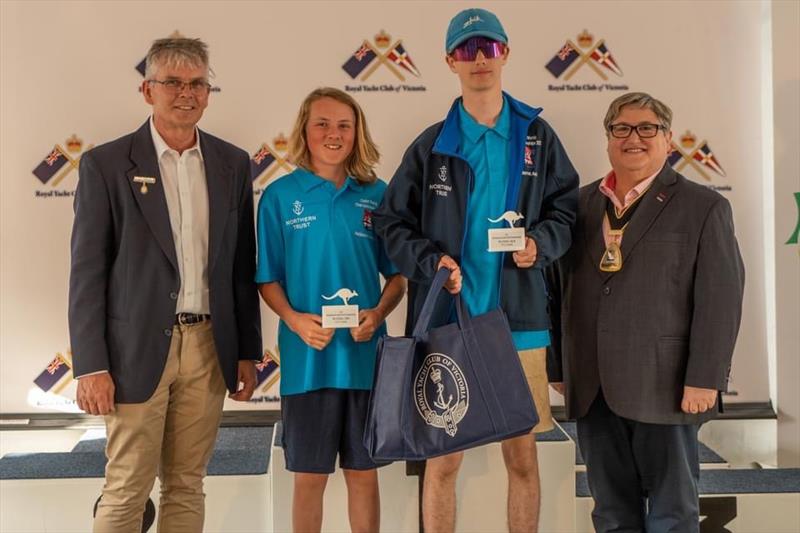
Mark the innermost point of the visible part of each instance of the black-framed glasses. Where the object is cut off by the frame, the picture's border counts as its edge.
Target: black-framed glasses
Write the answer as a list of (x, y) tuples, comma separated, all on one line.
[(196, 87), (644, 131)]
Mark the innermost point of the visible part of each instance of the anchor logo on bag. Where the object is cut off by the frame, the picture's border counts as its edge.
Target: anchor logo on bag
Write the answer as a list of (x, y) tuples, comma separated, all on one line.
[(441, 393)]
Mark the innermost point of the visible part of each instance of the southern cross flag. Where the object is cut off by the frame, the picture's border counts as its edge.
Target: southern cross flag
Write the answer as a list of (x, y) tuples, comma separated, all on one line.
[(360, 60), (675, 156), (50, 165), (260, 161), (51, 375), (704, 155), (562, 60), (602, 56), (399, 55)]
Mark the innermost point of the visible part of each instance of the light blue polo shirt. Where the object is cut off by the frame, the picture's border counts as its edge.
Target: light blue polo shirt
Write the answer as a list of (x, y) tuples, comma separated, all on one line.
[(315, 239), (486, 151)]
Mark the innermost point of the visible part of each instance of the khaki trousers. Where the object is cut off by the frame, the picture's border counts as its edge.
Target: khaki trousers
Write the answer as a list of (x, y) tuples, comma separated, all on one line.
[(534, 364), (172, 434)]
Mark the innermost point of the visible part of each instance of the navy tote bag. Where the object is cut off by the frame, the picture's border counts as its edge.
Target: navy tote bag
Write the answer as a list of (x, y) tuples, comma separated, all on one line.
[(447, 389)]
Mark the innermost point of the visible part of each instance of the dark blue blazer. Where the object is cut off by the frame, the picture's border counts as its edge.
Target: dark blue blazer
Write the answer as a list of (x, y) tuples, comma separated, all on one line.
[(124, 276)]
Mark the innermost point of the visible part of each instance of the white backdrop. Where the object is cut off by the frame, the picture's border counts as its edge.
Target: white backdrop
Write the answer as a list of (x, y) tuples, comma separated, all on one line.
[(69, 68)]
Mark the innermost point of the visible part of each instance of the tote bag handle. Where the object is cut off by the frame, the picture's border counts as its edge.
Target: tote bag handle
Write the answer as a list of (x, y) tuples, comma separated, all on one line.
[(424, 320)]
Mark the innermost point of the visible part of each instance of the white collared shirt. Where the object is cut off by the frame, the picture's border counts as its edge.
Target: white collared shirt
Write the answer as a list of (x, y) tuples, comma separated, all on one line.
[(186, 191)]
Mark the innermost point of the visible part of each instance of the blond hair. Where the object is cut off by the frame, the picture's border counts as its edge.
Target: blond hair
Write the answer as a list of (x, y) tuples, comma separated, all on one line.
[(361, 162)]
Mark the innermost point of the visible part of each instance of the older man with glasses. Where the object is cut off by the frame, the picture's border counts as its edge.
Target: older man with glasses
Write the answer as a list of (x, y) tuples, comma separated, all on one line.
[(493, 163), (163, 308), (651, 304)]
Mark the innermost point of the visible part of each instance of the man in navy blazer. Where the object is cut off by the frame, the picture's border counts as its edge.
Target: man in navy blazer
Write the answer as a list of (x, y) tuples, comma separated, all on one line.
[(163, 309)]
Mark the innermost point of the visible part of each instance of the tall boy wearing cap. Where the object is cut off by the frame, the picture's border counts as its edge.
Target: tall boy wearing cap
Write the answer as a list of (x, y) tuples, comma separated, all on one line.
[(490, 156)]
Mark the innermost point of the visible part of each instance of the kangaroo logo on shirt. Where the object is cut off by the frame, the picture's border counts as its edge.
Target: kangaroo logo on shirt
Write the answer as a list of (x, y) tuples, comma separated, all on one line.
[(441, 393), (297, 207)]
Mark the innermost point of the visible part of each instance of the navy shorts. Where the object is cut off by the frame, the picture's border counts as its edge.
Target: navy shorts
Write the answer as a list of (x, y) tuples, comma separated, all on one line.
[(318, 425)]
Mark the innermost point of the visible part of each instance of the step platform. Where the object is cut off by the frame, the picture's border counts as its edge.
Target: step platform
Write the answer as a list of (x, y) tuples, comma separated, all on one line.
[(55, 491), (480, 492), (708, 458), (731, 501)]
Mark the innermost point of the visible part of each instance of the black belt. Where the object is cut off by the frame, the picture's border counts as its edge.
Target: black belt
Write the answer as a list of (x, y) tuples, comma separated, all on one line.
[(187, 319)]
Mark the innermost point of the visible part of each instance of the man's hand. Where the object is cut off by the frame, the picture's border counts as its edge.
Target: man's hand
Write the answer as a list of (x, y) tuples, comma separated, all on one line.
[(697, 400), (368, 321), (95, 394), (453, 284), (247, 377), (309, 327), (558, 387), (527, 257)]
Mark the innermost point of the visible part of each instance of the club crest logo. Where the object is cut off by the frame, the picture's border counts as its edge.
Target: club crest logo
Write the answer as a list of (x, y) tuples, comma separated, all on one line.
[(57, 375), (369, 57), (268, 160), (588, 52), (268, 370), (698, 156), (594, 54), (382, 52), (443, 173), (441, 393), (366, 219), (528, 156), (60, 161), (297, 207)]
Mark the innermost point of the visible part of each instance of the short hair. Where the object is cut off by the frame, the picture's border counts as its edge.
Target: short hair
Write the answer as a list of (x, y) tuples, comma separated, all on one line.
[(640, 100), (361, 162), (176, 52)]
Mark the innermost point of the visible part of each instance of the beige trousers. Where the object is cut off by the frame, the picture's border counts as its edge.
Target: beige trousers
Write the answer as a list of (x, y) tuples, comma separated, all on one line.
[(534, 364), (172, 435)]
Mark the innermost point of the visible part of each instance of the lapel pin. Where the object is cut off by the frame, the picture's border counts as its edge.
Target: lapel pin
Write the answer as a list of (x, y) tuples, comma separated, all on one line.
[(661, 196), (144, 180)]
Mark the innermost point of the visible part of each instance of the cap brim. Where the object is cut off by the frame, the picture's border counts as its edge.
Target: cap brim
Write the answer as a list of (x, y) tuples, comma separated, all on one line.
[(480, 33)]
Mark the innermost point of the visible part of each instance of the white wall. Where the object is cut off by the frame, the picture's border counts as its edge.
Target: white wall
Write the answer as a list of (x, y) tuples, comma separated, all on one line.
[(68, 67), (786, 90)]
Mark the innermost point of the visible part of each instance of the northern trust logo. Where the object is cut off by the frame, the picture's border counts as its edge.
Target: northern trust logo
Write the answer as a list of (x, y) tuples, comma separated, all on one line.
[(371, 56), (589, 53), (441, 189), (441, 393)]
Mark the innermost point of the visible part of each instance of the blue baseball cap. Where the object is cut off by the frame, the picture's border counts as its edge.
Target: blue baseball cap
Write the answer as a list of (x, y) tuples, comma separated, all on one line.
[(473, 23)]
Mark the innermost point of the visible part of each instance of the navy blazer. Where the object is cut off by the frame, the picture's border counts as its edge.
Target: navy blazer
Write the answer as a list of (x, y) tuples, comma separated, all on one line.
[(124, 277)]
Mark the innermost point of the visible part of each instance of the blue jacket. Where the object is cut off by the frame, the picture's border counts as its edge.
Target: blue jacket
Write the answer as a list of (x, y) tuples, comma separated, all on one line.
[(425, 205)]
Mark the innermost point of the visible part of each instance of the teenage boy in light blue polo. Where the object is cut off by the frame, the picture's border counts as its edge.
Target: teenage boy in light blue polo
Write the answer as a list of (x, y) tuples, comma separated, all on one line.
[(316, 246), (328, 245), (493, 157)]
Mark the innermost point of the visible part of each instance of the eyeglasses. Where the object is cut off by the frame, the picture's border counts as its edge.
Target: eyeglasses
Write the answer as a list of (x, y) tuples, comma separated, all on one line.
[(196, 87), (468, 50), (644, 131)]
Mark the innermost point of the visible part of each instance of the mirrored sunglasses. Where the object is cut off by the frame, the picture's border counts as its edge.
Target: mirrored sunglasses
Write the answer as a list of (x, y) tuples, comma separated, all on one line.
[(468, 50)]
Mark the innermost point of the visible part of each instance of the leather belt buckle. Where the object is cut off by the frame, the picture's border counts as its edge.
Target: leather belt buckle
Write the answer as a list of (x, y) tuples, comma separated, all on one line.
[(189, 319)]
